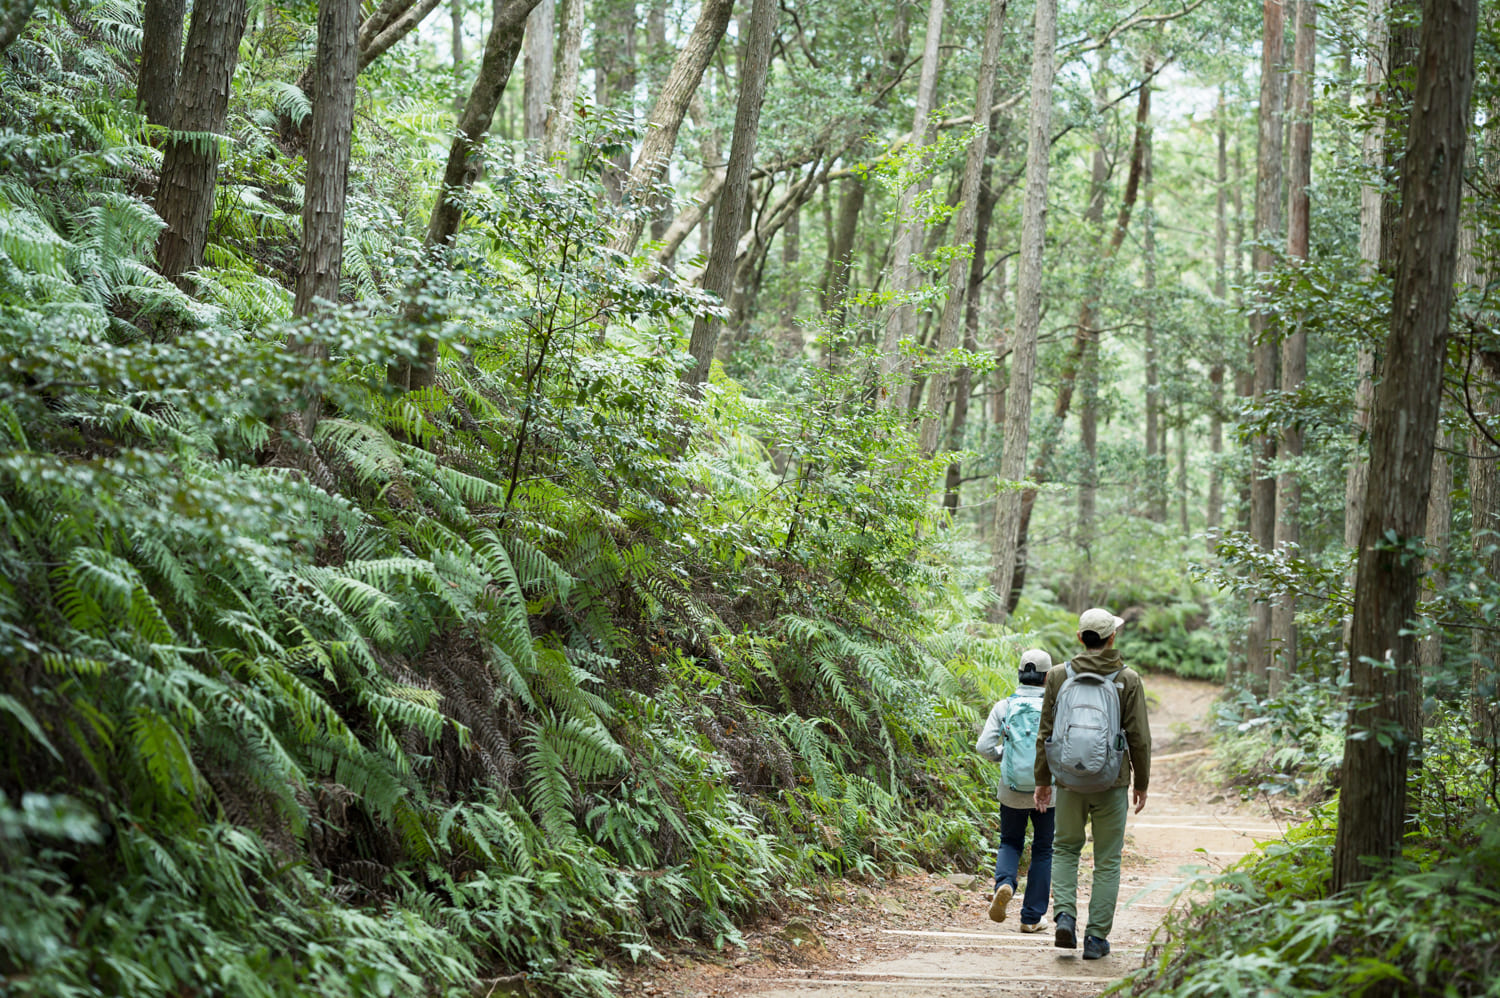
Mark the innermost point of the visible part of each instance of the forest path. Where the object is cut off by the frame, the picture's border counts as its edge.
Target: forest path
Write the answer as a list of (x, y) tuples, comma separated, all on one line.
[(931, 936)]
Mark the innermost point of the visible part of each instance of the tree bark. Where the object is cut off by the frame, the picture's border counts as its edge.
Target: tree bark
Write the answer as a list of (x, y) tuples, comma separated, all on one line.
[(1268, 234), (615, 79), (963, 229), (13, 20), (901, 324), (185, 194), (1214, 515), (733, 212), (1484, 499), (456, 43), (1156, 458), (850, 206), (507, 27), (537, 71), (667, 114), (1372, 799), (1294, 346), (161, 58), (791, 286), (564, 84), (1438, 533), (1028, 306), (327, 171)]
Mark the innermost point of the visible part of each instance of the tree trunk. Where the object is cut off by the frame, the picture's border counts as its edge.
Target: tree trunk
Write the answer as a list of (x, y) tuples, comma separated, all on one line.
[(667, 114), (185, 194), (850, 206), (1215, 511), (1372, 799), (537, 72), (1028, 306), (733, 213), (1484, 498), (456, 41), (791, 286), (614, 80), (1268, 234), (13, 19), (1182, 459), (1156, 458), (327, 171), (901, 324), (1434, 566), (161, 58), (508, 25), (1294, 346), (963, 228), (564, 84)]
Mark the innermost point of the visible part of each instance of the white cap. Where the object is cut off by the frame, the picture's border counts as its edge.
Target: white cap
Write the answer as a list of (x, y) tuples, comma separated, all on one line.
[(1036, 659), (1100, 621)]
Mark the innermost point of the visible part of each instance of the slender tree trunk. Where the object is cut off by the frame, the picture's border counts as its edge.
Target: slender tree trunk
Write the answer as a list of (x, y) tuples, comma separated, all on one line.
[(1182, 460), (1156, 458), (667, 114), (1372, 799), (185, 194), (850, 206), (901, 324), (1244, 379), (537, 72), (508, 26), (1434, 566), (327, 171), (1484, 500), (614, 81), (1294, 346), (1268, 233), (13, 18), (963, 229), (1028, 305), (564, 83), (1215, 512), (161, 58), (720, 275), (456, 41), (791, 285)]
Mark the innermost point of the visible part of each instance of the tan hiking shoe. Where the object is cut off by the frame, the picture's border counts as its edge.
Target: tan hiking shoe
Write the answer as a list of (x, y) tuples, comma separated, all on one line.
[(1000, 902), (1034, 926)]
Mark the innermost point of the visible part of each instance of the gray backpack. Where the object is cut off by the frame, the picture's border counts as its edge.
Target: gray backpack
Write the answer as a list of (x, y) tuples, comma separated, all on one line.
[(1087, 744)]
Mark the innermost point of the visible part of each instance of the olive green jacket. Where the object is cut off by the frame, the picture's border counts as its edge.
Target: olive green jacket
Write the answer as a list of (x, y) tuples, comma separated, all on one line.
[(1132, 716)]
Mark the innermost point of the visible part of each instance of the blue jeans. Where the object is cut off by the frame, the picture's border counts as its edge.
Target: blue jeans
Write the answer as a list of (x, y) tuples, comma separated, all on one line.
[(1012, 840)]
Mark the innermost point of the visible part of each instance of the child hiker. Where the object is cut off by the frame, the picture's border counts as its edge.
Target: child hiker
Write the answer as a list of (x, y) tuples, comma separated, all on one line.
[(1010, 738)]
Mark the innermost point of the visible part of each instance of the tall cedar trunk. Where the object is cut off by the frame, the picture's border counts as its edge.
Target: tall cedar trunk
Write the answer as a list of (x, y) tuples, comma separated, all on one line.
[(537, 71), (963, 227), (842, 262), (1294, 345), (507, 27), (456, 41), (1484, 498), (13, 20), (1028, 307), (185, 194), (614, 80), (667, 114), (1438, 533), (564, 83), (901, 324), (1268, 177), (327, 170), (1082, 332), (733, 212), (1403, 424), (791, 286), (1156, 458), (963, 389), (1214, 514), (1088, 415), (1244, 378), (161, 58)]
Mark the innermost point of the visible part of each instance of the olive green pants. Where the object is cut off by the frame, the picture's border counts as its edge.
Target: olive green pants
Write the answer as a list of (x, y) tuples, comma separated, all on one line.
[(1106, 811)]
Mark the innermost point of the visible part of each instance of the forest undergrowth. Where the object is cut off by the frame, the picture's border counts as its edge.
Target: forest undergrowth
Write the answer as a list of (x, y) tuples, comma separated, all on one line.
[(541, 668)]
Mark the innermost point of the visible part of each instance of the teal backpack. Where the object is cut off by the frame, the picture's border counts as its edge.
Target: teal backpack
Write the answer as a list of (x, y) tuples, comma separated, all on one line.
[(1023, 718)]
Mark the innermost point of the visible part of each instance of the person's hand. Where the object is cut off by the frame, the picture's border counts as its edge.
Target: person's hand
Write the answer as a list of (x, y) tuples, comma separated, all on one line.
[(1042, 798), (1140, 800)]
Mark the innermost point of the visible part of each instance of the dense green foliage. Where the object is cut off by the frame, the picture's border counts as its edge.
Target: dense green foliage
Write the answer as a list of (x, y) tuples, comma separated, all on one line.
[(399, 710)]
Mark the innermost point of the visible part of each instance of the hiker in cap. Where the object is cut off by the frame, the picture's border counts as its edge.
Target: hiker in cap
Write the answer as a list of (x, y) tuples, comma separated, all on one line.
[(1094, 742), (1009, 738)]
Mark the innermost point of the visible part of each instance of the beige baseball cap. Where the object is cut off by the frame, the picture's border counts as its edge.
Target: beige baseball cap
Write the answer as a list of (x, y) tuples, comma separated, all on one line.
[(1038, 659), (1100, 621)]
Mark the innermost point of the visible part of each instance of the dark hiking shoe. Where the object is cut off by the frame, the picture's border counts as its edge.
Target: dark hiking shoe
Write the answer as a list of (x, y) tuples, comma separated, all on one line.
[(1067, 931), (1094, 947), (1000, 902)]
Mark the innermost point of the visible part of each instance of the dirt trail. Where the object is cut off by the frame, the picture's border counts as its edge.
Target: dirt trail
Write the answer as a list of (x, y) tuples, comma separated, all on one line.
[(930, 936)]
